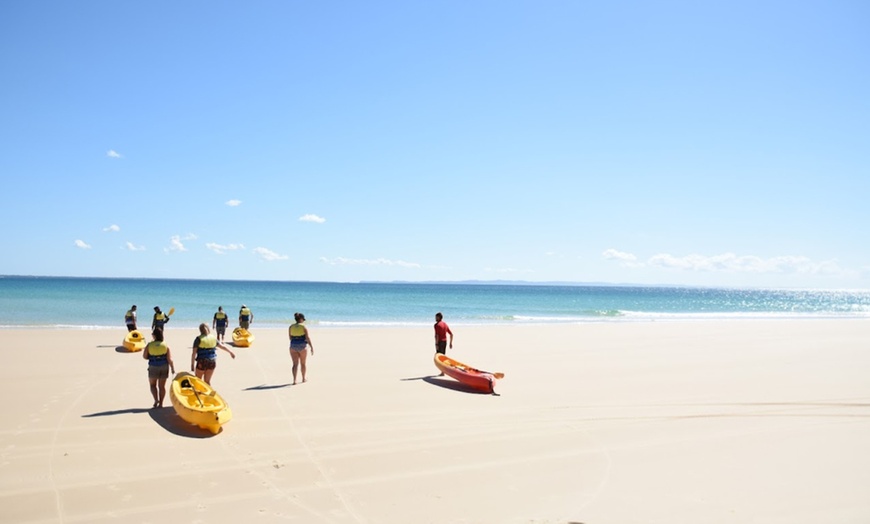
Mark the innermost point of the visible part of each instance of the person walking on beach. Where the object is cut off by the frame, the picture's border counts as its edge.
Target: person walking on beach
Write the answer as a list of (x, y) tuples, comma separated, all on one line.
[(205, 354), (300, 341), (160, 364), (160, 319), (245, 317), (441, 332), (219, 323), (130, 318)]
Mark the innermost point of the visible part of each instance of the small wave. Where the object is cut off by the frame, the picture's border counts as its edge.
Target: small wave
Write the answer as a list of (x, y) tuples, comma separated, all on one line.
[(365, 323), (607, 313), (768, 315)]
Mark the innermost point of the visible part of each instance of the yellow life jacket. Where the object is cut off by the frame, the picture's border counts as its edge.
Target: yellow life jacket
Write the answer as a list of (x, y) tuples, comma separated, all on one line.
[(297, 330), (245, 313), (157, 349), (207, 342)]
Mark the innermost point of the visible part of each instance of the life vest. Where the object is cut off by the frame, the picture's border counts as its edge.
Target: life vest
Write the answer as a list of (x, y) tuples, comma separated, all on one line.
[(245, 314), (129, 316), (297, 337), (221, 317), (157, 353), (206, 347), (160, 317)]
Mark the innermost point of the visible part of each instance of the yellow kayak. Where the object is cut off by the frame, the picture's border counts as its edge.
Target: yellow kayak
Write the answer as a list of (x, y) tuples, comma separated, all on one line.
[(242, 337), (135, 341), (198, 403)]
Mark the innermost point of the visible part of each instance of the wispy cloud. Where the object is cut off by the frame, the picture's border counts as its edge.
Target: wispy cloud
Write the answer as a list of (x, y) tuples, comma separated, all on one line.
[(114, 154), (342, 261), (222, 249), (731, 263), (175, 244), (621, 257), (234, 203), (312, 218), (269, 255), (113, 227), (129, 246), (81, 244)]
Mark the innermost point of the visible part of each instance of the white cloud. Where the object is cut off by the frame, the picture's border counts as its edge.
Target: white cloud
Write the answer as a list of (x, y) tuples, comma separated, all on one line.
[(730, 263), (221, 249), (312, 218), (342, 261), (81, 244), (113, 154), (269, 255), (621, 257), (234, 203), (113, 227), (133, 247), (175, 244)]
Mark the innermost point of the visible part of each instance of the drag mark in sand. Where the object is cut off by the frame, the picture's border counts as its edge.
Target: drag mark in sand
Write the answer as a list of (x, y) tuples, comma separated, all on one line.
[(54, 438), (314, 461)]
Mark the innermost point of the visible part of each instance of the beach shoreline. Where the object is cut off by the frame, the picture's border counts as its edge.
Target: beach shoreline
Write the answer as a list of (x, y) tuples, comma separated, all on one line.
[(598, 422)]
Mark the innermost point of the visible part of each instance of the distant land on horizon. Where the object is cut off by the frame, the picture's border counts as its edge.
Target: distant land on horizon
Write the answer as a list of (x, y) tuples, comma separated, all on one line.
[(473, 282), (432, 282)]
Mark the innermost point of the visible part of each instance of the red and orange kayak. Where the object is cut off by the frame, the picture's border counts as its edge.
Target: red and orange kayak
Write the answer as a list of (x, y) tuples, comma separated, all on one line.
[(473, 378)]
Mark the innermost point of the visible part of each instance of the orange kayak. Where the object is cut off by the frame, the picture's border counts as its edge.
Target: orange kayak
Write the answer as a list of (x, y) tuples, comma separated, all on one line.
[(473, 378)]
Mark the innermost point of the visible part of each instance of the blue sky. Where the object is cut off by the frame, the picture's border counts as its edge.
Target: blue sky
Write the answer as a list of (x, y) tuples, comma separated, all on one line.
[(692, 143)]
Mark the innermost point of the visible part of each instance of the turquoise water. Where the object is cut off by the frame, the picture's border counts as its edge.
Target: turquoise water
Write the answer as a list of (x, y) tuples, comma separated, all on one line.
[(96, 303)]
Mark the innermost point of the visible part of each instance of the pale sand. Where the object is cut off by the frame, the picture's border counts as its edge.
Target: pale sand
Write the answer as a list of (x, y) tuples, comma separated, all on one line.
[(684, 422)]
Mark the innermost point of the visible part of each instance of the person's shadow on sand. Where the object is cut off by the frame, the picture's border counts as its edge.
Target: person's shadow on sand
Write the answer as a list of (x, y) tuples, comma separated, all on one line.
[(267, 387), (129, 411)]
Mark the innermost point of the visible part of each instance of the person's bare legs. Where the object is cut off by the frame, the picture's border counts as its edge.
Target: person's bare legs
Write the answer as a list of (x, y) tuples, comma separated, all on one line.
[(295, 356), (153, 383), (303, 356), (207, 376), (162, 391)]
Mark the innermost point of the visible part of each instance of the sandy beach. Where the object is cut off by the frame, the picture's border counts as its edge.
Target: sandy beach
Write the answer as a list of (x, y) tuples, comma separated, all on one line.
[(656, 422)]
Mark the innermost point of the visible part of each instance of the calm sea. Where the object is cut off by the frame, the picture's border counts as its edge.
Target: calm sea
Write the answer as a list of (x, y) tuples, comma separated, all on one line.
[(99, 303)]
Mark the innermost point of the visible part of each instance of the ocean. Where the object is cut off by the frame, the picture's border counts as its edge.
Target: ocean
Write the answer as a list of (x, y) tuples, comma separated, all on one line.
[(100, 303)]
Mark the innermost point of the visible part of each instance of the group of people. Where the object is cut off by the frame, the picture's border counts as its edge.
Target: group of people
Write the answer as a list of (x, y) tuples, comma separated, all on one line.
[(203, 357), (159, 320), (219, 321)]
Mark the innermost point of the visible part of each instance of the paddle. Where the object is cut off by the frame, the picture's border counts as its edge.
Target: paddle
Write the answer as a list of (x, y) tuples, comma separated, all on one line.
[(496, 375), (197, 395), (186, 383), (171, 311), (466, 368)]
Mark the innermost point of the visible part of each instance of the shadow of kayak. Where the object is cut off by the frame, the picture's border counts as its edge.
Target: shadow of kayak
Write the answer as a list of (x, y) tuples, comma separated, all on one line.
[(167, 419), (448, 383)]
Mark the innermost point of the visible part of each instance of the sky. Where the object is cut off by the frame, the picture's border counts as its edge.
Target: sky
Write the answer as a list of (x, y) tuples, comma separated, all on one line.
[(655, 142)]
